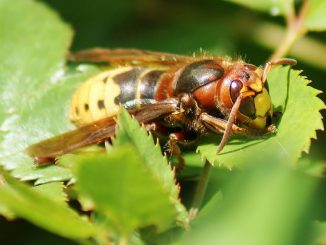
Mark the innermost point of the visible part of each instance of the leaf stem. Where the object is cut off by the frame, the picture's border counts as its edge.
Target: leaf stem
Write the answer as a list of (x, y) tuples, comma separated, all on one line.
[(295, 29), (200, 190)]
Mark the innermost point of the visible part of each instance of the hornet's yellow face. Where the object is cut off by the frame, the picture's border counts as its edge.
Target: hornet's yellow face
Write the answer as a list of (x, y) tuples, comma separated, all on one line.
[(264, 110), (256, 108)]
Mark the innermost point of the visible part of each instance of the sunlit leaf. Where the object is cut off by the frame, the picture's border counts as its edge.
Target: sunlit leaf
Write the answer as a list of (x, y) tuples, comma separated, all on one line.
[(39, 55), (125, 190), (49, 112), (299, 122), (129, 131), (34, 93)]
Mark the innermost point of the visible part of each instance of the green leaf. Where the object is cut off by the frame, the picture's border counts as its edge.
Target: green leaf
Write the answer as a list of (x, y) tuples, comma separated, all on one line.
[(52, 190), (33, 46), (49, 112), (300, 120), (32, 50), (125, 190), (37, 208), (274, 7), (129, 131), (315, 19), (267, 205)]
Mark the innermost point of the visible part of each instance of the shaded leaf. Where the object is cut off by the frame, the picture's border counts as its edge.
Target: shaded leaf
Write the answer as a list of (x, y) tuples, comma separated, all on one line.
[(124, 189), (300, 120), (37, 208)]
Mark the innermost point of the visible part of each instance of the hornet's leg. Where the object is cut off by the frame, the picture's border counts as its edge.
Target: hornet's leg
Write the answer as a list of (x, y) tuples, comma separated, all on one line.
[(175, 139), (218, 125), (171, 147), (221, 126), (174, 149)]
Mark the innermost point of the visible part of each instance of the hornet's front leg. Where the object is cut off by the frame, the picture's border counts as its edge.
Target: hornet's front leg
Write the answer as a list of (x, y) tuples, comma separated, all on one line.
[(221, 126), (218, 125)]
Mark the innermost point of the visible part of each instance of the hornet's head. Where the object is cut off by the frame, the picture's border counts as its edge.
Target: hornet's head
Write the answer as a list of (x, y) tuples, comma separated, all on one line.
[(247, 84)]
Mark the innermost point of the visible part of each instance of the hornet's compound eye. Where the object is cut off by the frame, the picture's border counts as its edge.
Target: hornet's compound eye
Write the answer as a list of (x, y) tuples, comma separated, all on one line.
[(235, 88)]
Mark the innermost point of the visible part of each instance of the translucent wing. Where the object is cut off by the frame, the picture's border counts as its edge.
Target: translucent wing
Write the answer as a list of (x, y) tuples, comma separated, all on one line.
[(96, 132), (130, 56)]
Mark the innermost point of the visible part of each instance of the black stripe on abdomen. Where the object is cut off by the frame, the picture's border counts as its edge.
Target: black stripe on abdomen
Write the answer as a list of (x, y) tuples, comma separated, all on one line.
[(148, 84), (128, 84)]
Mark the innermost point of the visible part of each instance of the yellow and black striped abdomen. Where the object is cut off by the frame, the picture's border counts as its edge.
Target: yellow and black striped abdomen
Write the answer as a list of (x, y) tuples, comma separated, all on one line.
[(101, 95)]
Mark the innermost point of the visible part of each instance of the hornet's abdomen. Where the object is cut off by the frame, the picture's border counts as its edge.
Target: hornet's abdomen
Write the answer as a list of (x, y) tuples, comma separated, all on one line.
[(100, 96)]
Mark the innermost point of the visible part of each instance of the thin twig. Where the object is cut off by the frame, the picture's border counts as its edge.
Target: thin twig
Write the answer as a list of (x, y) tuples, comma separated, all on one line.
[(295, 30), (200, 190)]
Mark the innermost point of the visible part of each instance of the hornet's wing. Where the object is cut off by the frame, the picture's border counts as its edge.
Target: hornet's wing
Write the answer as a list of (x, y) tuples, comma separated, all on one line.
[(96, 132)]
